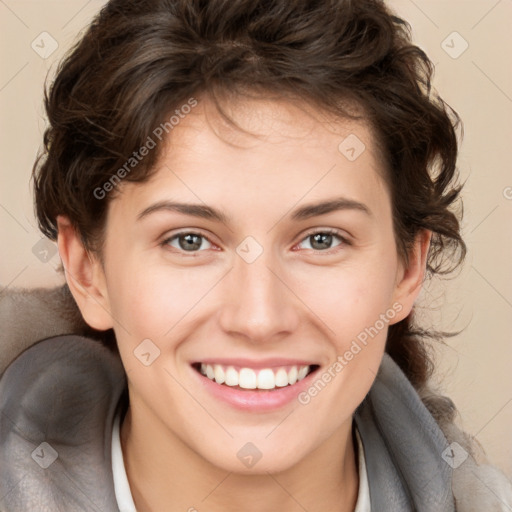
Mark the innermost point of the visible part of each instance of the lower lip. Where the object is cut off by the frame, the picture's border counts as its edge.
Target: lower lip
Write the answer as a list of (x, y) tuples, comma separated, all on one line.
[(255, 400)]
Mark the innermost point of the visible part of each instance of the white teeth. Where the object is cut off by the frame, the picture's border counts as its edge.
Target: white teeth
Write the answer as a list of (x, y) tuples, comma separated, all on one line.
[(247, 378), (266, 379), (303, 372), (281, 378), (219, 374), (231, 377), (292, 375)]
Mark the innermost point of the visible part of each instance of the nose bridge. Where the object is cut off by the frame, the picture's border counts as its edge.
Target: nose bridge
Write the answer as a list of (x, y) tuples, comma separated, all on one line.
[(257, 303)]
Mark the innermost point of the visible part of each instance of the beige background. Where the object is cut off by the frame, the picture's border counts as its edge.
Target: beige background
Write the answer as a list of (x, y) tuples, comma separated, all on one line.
[(474, 366)]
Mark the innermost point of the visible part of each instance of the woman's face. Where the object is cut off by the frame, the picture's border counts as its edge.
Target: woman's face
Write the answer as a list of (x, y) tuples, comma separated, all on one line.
[(252, 272)]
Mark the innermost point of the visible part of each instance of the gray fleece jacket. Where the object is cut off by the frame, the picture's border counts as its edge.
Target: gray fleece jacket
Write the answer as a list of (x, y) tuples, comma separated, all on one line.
[(58, 399)]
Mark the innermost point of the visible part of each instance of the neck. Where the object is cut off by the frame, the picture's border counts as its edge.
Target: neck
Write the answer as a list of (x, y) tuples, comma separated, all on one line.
[(166, 474)]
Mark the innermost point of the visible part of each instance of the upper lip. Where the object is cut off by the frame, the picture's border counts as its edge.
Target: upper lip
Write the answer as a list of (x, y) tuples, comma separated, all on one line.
[(252, 363)]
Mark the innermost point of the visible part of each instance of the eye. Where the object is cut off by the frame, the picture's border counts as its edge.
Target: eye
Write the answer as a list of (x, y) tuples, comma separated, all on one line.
[(187, 241), (322, 240), (191, 242)]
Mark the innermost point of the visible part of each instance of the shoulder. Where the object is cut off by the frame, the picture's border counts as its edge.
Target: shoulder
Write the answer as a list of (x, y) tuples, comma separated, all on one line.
[(58, 375), (477, 485), (30, 315), (410, 435), (57, 403)]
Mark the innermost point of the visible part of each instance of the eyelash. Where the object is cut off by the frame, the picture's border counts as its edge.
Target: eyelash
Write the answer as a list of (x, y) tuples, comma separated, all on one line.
[(328, 231)]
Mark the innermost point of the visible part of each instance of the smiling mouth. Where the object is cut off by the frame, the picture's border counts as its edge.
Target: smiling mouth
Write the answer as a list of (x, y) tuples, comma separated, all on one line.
[(255, 379)]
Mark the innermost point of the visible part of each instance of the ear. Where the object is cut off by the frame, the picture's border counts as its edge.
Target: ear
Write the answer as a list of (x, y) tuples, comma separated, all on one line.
[(410, 279), (84, 275)]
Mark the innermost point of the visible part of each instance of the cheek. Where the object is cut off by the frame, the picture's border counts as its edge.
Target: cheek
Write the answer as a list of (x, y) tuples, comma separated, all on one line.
[(133, 299), (349, 299), (356, 307), (149, 299)]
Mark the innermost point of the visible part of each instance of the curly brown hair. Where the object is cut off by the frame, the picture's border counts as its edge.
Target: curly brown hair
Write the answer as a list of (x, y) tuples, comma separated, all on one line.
[(141, 59)]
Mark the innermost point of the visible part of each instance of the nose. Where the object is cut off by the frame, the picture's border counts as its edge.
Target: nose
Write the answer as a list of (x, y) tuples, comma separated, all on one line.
[(259, 304)]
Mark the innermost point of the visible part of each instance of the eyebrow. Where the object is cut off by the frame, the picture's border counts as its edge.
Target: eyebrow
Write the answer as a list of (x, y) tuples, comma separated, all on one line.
[(304, 212)]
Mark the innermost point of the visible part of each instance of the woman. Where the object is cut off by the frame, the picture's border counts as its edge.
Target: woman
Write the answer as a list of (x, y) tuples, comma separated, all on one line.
[(246, 198)]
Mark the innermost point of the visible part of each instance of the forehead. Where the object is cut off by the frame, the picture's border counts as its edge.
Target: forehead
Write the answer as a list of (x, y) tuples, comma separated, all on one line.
[(258, 124), (278, 153)]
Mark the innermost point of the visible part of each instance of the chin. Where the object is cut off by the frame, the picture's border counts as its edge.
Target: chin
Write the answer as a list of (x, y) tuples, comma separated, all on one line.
[(248, 458)]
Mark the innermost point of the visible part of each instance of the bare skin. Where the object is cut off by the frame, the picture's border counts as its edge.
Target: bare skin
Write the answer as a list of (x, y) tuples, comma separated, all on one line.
[(297, 299)]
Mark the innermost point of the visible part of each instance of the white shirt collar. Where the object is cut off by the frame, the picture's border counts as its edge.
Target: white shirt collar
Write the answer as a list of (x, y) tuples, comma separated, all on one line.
[(363, 496), (121, 486), (124, 496)]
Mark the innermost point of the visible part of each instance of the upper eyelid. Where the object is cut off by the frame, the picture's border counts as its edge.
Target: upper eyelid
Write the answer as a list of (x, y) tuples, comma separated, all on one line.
[(186, 232)]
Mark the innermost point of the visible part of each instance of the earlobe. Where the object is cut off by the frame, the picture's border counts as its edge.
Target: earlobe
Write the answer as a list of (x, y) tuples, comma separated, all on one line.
[(410, 279), (84, 275)]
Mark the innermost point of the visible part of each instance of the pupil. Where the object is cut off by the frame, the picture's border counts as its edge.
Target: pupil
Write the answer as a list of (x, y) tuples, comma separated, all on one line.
[(190, 244), (323, 238)]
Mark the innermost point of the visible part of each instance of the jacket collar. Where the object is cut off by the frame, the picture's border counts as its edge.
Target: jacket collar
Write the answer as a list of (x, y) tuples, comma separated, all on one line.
[(403, 447), (58, 400), (57, 404)]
